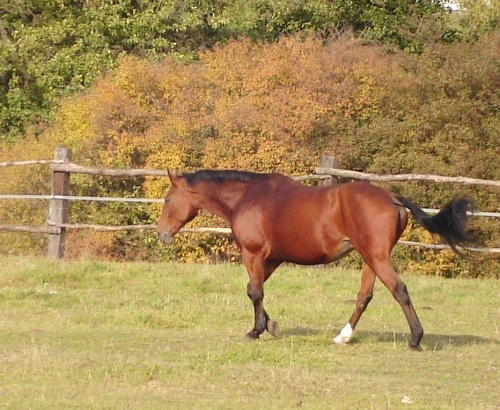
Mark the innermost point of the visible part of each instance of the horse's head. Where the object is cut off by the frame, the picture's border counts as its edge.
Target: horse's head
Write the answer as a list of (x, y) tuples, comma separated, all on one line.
[(178, 209)]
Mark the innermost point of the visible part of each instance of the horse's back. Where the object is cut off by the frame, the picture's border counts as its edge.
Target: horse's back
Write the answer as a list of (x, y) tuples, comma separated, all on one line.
[(290, 221), (311, 225)]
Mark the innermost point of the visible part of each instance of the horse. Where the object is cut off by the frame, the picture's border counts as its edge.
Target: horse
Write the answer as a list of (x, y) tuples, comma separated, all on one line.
[(275, 219)]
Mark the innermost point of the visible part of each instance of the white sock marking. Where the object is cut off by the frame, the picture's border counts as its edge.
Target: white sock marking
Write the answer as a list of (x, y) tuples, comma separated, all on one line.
[(344, 335)]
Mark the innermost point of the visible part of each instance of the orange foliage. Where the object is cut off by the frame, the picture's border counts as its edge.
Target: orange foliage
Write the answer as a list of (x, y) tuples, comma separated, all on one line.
[(275, 107)]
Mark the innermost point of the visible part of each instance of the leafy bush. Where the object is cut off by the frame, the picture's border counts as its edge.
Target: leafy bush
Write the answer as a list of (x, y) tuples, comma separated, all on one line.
[(52, 48), (276, 107)]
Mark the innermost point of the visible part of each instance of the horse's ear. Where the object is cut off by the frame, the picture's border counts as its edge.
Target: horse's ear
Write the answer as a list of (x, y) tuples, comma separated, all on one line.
[(174, 177)]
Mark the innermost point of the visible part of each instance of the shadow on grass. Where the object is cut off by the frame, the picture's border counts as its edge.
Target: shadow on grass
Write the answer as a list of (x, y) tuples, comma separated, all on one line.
[(430, 341), (439, 342), (300, 331)]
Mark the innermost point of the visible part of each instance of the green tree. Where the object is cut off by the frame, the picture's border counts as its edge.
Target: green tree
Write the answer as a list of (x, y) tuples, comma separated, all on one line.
[(52, 48), (478, 17)]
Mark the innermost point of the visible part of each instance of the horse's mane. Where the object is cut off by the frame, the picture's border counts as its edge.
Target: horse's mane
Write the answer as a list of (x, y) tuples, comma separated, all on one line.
[(219, 177)]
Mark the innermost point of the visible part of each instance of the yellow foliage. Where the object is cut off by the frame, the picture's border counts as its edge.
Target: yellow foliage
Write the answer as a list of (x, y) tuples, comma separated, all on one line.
[(23, 180), (268, 107)]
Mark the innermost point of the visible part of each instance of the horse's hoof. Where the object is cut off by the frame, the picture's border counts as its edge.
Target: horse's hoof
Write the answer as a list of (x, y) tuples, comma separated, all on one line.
[(415, 348), (273, 328), (253, 334), (344, 336)]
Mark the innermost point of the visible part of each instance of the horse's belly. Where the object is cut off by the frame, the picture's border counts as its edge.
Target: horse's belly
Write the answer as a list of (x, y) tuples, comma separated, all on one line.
[(311, 252)]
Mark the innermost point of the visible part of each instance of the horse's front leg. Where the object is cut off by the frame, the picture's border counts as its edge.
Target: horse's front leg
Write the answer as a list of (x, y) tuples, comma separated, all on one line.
[(258, 272), (256, 293)]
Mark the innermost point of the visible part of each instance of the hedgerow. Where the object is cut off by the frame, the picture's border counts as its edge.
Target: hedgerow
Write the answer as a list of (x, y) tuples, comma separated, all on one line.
[(275, 107)]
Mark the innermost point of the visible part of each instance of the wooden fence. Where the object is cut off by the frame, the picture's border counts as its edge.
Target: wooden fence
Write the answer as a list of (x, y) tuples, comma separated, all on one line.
[(62, 168)]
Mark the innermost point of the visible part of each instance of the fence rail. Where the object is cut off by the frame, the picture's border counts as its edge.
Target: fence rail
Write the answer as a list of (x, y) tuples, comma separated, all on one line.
[(52, 228), (404, 177), (57, 222), (160, 201), (30, 162)]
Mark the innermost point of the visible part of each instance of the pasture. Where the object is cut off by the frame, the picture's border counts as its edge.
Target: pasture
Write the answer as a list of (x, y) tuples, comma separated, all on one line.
[(91, 334)]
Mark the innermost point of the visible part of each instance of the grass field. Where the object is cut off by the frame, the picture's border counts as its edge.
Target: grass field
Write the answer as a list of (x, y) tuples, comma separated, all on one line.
[(140, 336)]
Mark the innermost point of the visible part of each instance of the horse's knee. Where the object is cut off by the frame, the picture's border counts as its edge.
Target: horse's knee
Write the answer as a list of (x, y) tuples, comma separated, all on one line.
[(255, 293)]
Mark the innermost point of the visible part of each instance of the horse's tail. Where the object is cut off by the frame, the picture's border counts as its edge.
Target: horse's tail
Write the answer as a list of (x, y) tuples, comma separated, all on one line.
[(450, 222)]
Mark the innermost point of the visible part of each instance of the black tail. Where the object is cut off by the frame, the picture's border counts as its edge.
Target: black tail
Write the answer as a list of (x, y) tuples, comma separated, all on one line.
[(450, 222)]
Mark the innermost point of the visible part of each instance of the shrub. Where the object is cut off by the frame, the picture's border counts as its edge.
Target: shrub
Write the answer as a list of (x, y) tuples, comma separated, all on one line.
[(276, 107)]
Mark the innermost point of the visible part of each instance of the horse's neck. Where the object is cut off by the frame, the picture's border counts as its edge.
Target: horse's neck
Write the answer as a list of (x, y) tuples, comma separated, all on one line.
[(222, 199)]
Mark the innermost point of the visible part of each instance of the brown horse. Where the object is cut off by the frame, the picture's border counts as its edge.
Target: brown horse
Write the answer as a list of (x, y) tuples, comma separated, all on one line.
[(276, 219)]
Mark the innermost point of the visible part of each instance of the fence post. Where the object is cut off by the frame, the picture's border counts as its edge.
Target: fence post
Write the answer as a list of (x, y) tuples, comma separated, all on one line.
[(58, 208), (328, 161)]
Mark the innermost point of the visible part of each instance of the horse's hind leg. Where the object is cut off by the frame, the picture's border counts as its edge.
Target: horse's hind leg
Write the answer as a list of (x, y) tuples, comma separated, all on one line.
[(364, 296), (391, 280)]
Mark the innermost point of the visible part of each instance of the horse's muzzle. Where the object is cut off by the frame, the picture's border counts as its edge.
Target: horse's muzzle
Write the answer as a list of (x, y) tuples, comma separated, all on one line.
[(165, 237)]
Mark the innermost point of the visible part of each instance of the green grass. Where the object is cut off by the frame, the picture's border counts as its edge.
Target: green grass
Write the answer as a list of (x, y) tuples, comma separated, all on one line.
[(137, 335)]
